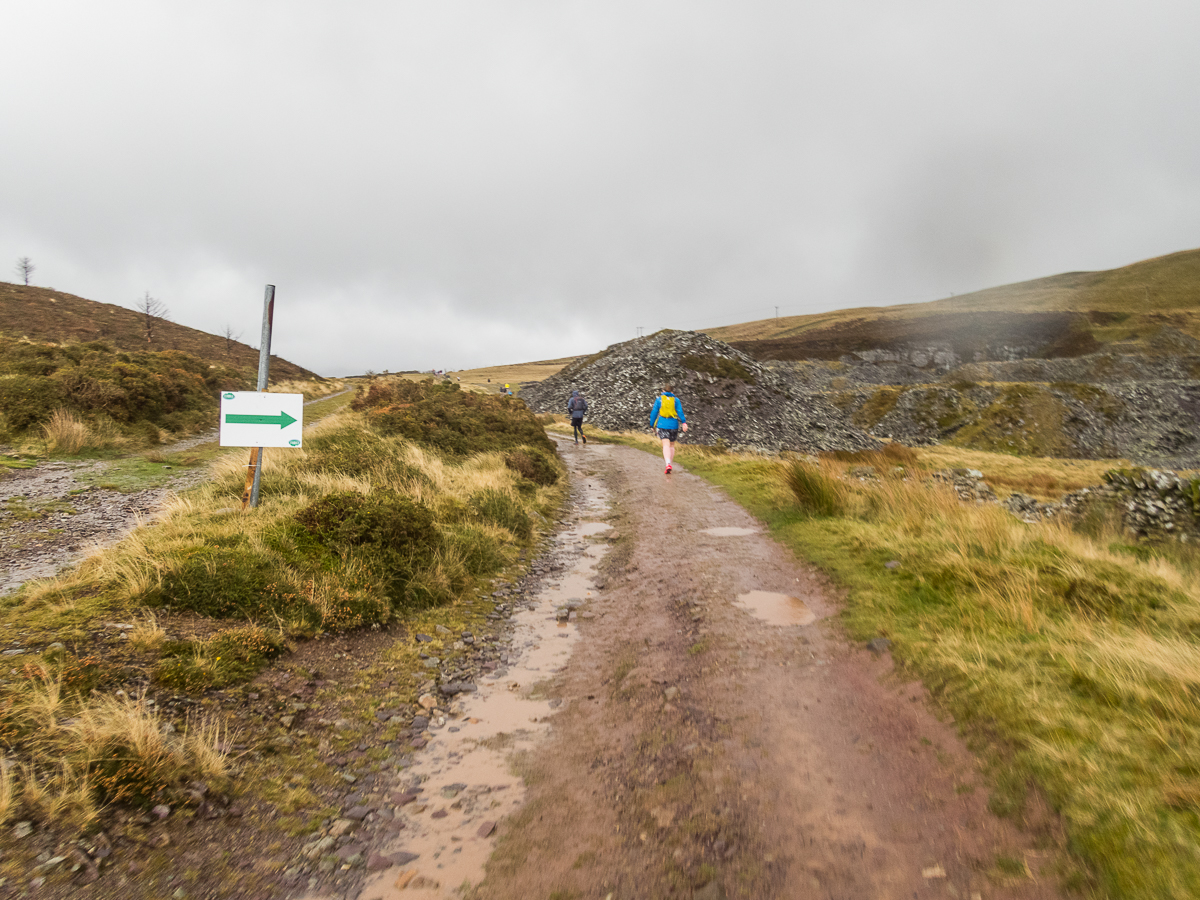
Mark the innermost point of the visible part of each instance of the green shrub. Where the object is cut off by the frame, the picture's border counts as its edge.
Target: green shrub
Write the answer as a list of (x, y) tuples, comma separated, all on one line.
[(479, 551), (231, 656), (449, 420), (383, 518), (27, 400), (816, 493), (532, 465), (226, 582), (347, 451), (499, 508), (168, 388), (384, 535)]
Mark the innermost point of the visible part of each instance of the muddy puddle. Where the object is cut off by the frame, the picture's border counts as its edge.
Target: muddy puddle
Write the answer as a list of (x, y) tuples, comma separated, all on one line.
[(729, 531), (776, 609), (462, 780)]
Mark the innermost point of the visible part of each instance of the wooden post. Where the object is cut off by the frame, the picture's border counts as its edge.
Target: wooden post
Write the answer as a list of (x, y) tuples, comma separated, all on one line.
[(251, 473)]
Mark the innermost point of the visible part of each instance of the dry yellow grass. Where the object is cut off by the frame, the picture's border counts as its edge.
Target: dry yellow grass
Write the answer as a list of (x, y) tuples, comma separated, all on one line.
[(65, 433), (1041, 477), (7, 790), (147, 634), (513, 375)]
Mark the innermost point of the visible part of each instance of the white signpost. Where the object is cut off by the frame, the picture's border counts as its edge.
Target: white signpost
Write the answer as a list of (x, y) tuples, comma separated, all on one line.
[(254, 419)]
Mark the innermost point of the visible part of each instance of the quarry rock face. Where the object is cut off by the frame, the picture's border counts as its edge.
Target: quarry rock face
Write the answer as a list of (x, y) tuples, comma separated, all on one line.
[(1110, 405), (727, 396)]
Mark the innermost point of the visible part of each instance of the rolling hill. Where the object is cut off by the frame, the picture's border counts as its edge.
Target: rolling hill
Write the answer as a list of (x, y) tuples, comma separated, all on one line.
[(43, 314), (1065, 315)]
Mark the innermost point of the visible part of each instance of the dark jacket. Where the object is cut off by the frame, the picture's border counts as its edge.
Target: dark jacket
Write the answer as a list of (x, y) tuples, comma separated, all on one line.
[(576, 406)]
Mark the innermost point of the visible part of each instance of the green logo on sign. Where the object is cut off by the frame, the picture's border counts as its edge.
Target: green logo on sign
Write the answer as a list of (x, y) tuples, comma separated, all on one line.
[(227, 396), (294, 443)]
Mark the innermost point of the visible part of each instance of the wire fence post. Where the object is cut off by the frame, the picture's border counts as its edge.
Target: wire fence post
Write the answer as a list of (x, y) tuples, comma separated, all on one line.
[(254, 470)]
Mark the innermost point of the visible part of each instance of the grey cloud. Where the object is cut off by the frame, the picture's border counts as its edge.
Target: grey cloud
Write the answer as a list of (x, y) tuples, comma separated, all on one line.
[(468, 183)]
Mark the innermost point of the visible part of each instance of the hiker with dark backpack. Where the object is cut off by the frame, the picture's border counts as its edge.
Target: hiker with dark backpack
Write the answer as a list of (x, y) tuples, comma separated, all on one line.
[(667, 419), (576, 407)]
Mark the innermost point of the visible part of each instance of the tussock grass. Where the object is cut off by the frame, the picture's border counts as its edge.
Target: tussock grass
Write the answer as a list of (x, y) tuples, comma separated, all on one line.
[(147, 635), (356, 529), (815, 490), (65, 433), (78, 752)]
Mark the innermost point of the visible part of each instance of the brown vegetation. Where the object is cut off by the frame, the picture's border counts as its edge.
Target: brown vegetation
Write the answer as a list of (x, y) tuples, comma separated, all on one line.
[(44, 314)]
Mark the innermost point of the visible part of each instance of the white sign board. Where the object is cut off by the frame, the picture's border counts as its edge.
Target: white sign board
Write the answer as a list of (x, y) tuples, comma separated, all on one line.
[(253, 419)]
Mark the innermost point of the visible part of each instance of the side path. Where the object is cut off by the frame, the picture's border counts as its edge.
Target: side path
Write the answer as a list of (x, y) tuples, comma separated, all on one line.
[(703, 752)]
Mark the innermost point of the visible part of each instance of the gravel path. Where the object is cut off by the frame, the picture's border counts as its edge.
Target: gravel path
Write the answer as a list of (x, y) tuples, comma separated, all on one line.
[(706, 752), (50, 520)]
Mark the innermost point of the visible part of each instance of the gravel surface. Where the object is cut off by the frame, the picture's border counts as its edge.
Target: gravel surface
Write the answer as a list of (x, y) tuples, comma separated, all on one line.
[(50, 519), (703, 751)]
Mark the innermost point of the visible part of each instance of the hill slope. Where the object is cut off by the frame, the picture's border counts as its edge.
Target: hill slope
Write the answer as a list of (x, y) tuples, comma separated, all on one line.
[(1060, 316), (43, 314)]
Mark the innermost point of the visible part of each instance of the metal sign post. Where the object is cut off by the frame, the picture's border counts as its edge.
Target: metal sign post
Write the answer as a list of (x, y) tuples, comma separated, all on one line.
[(254, 470)]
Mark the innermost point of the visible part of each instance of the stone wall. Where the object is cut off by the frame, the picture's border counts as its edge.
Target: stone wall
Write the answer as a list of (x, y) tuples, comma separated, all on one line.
[(1153, 504)]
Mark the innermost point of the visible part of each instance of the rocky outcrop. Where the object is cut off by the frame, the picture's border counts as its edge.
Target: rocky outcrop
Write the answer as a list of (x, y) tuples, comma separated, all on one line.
[(728, 397), (1155, 423)]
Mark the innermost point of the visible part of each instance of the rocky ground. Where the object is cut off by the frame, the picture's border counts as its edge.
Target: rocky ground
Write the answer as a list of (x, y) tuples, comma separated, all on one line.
[(50, 517), (1110, 405), (727, 396)]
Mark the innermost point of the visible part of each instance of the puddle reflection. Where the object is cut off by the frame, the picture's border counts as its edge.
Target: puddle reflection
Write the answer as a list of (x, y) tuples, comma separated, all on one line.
[(776, 609)]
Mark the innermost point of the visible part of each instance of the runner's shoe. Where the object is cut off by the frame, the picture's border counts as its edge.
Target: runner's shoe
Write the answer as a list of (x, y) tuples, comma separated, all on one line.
[(668, 472)]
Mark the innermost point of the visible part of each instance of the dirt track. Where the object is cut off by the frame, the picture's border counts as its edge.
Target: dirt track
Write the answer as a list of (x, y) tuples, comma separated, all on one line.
[(703, 752)]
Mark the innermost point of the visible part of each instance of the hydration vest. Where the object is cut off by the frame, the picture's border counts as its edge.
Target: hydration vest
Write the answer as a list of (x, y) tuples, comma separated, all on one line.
[(668, 410)]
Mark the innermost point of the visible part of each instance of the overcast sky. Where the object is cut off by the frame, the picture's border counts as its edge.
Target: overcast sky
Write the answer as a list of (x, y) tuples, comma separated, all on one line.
[(449, 184)]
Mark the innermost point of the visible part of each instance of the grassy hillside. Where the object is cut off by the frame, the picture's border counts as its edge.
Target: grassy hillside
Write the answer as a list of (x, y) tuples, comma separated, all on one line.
[(380, 518), (42, 314), (1078, 311), (490, 379)]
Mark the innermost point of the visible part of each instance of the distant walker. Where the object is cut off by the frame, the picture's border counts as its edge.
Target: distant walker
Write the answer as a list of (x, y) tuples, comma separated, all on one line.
[(576, 407)]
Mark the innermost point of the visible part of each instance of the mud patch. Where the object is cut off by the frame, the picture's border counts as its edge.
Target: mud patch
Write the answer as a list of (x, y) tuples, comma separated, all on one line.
[(462, 784), (729, 531), (776, 609)]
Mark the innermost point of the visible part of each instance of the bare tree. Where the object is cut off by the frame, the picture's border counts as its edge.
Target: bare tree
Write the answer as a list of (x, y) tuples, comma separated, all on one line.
[(25, 268), (153, 311), (230, 339)]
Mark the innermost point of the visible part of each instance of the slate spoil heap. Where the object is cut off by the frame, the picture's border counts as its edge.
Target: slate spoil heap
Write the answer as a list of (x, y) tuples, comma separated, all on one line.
[(728, 397)]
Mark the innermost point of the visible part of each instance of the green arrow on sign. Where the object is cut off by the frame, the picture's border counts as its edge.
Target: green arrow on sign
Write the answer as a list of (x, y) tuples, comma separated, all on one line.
[(283, 420)]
